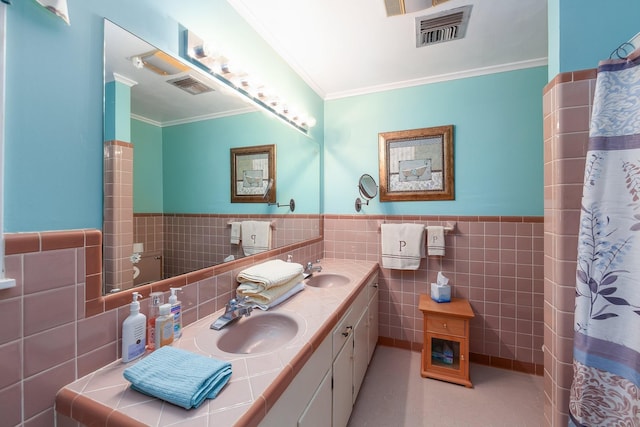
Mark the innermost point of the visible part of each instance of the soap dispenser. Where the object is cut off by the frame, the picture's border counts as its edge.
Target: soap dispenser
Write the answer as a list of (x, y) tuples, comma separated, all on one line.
[(164, 326), (133, 332), (176, 311)]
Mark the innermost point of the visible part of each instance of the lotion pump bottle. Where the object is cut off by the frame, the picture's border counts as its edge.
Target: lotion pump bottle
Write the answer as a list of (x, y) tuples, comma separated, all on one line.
[(164, 327), (133, 332), (176, 311)]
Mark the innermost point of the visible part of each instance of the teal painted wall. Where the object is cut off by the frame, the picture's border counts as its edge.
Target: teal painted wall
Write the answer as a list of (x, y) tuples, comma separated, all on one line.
[(197, 166), (147, 167), (54, 97), (585, 32), (186, 168), (117, 112), (498, 139)]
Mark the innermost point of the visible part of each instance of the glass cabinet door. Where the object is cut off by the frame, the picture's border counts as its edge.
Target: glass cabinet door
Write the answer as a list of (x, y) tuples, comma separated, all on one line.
[(445, 354)]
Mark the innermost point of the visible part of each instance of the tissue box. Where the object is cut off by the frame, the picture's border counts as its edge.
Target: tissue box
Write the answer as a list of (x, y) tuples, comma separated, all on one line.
[(440, 293)]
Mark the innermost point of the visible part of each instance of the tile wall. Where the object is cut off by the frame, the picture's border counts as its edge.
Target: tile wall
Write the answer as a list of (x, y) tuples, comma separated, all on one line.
[(495, 262), (567, 104), (58, 327), (118, 214), (194, 241)]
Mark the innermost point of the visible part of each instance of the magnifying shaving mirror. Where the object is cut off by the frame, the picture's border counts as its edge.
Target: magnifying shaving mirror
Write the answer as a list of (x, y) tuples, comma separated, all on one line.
[(368, 190), (267, 191)]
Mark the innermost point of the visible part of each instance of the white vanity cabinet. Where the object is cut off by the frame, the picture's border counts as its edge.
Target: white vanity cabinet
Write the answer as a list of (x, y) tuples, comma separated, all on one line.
[(365, 337), (323, 392), (302, 393), (351, 357)]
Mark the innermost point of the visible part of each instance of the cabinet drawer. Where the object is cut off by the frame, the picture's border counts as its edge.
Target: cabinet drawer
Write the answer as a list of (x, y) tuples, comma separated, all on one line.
[(446, 325)]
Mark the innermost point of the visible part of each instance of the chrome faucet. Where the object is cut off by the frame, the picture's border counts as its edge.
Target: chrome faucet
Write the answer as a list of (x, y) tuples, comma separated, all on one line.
[(310, 268), (234, 309)]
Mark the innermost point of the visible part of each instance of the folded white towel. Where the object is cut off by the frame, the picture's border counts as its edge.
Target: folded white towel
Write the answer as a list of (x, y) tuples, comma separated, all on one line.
[(278, 300), (271, 273), (402, 246), (435, 240), (256, 237), (259, 295), (236, 232)]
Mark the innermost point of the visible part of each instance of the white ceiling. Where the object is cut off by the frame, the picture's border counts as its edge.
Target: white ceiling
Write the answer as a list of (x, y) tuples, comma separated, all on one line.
[(349, 47)]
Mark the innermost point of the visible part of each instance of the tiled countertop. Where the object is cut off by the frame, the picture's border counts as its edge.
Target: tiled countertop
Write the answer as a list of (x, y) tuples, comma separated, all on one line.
[(257, 381)]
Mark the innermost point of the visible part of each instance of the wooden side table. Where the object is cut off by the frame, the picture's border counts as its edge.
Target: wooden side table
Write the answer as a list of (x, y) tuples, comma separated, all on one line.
[(445, 353)]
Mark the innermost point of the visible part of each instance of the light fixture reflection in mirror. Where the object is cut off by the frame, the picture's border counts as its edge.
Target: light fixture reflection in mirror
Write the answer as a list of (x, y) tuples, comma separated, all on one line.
[(220, 67), (368, 190)]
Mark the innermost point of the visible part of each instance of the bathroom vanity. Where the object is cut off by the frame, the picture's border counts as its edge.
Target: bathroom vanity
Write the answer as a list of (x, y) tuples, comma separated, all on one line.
[(307, 373)]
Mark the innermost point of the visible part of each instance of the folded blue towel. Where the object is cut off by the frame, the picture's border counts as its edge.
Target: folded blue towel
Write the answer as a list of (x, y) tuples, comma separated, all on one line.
[(180, 377)]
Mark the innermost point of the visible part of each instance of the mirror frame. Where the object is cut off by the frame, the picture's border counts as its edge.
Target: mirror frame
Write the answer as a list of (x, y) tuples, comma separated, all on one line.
[(238, 175)]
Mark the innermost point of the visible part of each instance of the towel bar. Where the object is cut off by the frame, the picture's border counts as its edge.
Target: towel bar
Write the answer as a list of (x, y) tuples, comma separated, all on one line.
[(447, 228), (273, 223)]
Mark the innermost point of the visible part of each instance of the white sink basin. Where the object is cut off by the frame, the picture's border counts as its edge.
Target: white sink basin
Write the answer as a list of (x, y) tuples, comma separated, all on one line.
[(261, 332), (327, 280)]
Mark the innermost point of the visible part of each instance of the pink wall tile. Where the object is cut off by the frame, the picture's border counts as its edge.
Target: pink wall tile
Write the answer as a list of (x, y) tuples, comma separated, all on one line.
[(48, 349), (503, 261), (11, 319), (93, 334), (11, 404), (11, 366), (89, 362), (42, 270), (564, 171), (40, 390), (45, 310)]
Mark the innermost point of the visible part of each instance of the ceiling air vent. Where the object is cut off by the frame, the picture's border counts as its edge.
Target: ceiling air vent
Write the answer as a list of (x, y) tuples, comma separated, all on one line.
[(442, 27), (190, 84)]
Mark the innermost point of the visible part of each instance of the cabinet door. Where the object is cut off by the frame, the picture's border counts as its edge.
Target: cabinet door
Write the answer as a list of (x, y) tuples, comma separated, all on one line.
[(315, 414), (445, 355), (372, 325), (360, 352), (343, 384)]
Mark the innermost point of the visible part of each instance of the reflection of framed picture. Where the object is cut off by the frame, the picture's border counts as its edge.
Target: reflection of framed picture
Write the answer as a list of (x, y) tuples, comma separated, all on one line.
[(252, 168), (416, 164)]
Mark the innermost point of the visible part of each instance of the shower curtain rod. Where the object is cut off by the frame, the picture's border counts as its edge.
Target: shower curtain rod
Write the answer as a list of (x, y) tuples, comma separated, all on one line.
[(623, 51)]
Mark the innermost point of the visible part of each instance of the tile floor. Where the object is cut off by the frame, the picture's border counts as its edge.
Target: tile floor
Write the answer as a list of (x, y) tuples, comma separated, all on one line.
[(394, 394)]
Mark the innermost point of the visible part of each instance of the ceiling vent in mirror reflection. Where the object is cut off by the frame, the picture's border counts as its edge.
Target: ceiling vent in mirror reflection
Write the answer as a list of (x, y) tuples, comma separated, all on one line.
[(190, 85)]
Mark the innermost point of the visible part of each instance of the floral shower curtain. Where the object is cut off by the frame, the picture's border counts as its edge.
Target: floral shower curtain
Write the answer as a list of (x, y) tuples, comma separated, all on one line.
[(606, 359)]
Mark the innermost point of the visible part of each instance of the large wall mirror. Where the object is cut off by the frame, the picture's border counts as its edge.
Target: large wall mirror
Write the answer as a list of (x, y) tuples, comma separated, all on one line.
[(169, 129)]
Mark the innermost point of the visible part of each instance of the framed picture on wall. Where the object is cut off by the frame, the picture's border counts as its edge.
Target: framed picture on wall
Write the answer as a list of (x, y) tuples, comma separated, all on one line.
[(253, 174), (416, 164)]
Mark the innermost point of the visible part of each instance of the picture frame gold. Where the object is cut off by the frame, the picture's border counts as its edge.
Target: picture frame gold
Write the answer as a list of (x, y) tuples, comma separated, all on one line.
[(253, 174), (416, 164)]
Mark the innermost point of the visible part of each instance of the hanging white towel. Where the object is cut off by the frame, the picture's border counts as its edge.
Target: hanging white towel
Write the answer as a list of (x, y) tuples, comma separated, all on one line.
[(236, 233), (256, 237), (402, 246), (435, 240)]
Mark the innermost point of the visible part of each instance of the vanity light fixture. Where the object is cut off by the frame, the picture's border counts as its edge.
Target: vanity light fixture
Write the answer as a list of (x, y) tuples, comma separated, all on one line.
[(198, 52), (158, 62)]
